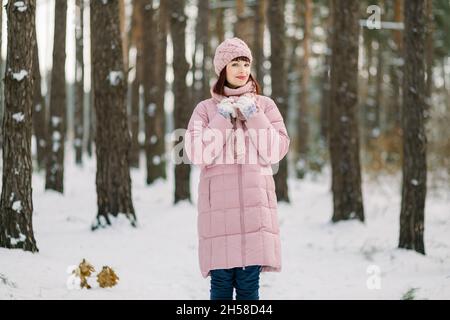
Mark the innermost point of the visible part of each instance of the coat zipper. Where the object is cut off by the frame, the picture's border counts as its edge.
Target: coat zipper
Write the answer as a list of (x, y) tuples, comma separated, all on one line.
[(241, 209), (242, 216)]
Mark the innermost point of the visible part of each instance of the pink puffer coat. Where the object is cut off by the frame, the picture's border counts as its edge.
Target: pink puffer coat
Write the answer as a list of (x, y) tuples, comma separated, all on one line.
[(237, 205)]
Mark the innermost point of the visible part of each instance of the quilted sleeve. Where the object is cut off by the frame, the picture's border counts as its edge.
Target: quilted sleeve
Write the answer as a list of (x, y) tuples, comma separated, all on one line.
[(205, 138), (268, 134)]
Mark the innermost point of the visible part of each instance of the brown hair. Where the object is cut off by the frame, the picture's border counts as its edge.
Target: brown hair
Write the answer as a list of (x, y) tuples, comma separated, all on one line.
[(222, 81)]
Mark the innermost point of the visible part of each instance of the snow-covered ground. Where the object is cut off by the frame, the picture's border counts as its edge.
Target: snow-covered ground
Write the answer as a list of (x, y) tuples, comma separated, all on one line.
[(158, 260)]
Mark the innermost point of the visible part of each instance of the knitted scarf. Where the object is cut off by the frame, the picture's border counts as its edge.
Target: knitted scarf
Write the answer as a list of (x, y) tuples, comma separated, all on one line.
[(249, 89)]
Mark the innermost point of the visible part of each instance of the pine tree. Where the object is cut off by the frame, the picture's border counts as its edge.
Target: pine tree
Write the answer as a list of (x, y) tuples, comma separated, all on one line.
[(414, 185), (54, 179), (343, 121), (275, 17), (112, 138), (134, 116), (16, 203), (153, 113), (79, 84), (39, 110), (181, 109)]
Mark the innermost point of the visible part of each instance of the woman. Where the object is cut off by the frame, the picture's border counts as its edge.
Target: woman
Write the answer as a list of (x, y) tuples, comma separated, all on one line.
[(234, 137)]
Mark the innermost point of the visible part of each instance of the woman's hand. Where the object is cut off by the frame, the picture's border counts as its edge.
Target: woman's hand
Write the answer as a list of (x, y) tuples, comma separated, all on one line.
[(226, 108), (246, 106)]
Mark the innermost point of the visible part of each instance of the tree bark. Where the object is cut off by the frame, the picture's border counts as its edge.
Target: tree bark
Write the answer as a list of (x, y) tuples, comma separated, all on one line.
[(378, 91), (368, 96), (161, 66), (344, 138), (39, 110), (153, 115), (303, 127), (57, 125), (90, 110), (276, 23), (325, 103), (398, 17), (201, 55), (414, 184), (1, 82), (123, 34), (220, 29), (16, 203), (244, 27), (112, 138), (395, 72), (91, 120), (136, 38), (258, 46), (79, 84), (181, 109), (429, 54)]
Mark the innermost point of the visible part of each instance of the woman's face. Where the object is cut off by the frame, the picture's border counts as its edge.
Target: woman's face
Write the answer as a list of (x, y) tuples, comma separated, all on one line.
[(238, 73)]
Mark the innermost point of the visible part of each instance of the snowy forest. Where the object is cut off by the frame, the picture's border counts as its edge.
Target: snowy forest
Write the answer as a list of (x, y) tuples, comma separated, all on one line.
[(95, 99)]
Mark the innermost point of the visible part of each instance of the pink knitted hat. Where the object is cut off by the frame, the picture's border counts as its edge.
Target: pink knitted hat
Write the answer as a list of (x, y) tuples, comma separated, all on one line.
[(228, 50)]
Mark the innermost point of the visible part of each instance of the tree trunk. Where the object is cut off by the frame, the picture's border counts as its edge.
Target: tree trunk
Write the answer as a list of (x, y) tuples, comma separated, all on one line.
[(153, 115), (112, 137), (90, 109), (244, 27), (201, 55), (39, 110), (1, 82), (368, 96), (123, 35), (429, 54), (161, 66), (136, 38), (240, 21), (398, 17), (220, 29), (276, 23), (91, 119), (303, 120), (258, 46), (395, 72), (414, 137), (325, 103), (445, 87), (371, 109), (181, 109), (344, 138), (56, 127), (378, 92), (16, 204), (79, 84), (394, 103)]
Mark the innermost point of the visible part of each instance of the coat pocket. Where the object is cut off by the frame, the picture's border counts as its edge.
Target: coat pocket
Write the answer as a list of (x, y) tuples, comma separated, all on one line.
[(270, 192)]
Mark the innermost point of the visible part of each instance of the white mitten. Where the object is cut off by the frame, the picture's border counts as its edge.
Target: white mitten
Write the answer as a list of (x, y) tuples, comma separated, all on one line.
[(247, 106), (226, 108)]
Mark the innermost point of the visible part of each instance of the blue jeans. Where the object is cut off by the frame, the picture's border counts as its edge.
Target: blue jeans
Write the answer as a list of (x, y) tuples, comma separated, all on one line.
[(245, 280)]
